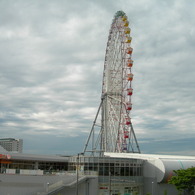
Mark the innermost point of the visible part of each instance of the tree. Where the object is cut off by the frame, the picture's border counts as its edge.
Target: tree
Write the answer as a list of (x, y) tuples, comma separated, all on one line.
[(184, 180)]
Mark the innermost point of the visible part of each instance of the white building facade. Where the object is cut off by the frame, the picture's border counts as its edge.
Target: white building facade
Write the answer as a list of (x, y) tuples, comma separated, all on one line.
[(12, 145), (157, 170), (110, 174)]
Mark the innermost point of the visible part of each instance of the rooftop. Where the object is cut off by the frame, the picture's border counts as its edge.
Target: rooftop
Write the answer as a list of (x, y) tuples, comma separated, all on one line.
[(148, 156)]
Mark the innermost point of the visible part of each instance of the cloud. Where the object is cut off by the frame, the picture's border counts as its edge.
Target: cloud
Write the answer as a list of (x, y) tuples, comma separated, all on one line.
[(52, 57)]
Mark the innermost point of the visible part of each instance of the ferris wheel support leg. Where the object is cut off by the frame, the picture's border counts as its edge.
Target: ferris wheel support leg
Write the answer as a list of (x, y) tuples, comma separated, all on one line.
[(92, 129), (136, 142)]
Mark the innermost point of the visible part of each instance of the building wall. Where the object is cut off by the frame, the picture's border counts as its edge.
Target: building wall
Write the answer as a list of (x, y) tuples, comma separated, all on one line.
[(145, 176), (11, 144), (154, 174), (121, 176), (154, 188)]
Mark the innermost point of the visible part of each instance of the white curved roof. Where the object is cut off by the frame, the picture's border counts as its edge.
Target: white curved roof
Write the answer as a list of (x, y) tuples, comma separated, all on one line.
[(147, 156)]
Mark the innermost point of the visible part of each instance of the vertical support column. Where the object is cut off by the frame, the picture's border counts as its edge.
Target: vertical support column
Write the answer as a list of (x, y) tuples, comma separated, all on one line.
[(36, 165)]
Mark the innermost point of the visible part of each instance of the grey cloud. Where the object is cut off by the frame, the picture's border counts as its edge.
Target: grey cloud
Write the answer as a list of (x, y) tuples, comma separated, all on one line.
[(52, 56)]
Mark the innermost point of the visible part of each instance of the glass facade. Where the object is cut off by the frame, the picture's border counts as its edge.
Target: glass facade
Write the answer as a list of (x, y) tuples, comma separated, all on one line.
[(107, 166), (116, 175)]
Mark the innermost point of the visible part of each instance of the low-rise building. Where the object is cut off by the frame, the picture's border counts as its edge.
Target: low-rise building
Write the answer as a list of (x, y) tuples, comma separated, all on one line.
[(109, 174)]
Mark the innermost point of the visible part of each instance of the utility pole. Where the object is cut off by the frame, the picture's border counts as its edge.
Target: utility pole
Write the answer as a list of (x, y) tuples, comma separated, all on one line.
[(77, 173), (110, 183)]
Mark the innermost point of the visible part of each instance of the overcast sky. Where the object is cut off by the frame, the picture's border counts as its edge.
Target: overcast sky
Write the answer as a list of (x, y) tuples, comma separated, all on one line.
[(51, 64)]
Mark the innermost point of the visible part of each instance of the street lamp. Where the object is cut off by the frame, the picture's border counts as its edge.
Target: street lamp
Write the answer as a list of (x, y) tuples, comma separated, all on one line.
[(47, 187), (152, 188), (77, 173), (110, 183)]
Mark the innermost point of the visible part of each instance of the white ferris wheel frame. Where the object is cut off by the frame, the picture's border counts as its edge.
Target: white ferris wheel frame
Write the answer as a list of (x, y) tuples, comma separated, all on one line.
[(116, 133)]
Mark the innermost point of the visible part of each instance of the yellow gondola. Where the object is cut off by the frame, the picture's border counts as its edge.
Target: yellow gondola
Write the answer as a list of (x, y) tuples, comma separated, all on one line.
[(128, 39), (127, 30)]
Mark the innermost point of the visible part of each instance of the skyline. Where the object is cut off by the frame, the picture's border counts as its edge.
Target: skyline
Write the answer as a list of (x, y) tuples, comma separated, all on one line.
[(52, 58)]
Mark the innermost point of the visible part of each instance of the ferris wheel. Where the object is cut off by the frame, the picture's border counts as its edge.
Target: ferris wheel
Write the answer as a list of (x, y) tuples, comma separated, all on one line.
[(116, 131)]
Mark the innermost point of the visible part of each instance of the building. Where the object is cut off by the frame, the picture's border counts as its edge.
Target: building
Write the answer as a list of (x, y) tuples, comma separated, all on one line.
[(115, 175), (12, 145), (157, 170), (110, 174)]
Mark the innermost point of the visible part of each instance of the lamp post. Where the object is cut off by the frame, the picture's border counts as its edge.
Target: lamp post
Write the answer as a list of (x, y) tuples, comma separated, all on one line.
[(77, 173), (47, 187), (152, 188), (110, 183)]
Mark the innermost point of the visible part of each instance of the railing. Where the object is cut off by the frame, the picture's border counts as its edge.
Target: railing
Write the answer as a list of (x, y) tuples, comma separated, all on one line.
[(121, 179), (24, 171), (86, 173), (41, 172), (82, 176)]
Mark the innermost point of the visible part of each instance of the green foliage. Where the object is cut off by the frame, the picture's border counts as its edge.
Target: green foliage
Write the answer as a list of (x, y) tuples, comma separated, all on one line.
[(184, 179)]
